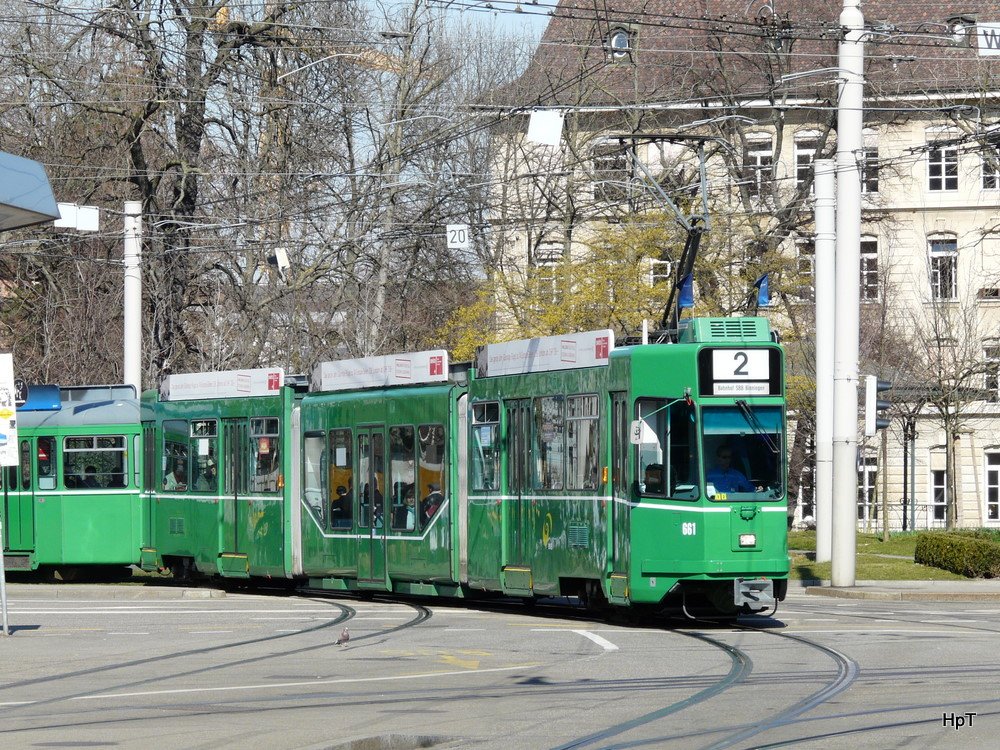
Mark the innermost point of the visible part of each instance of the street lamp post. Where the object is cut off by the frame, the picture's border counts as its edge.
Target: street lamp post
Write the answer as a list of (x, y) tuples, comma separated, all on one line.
[(848, 294)]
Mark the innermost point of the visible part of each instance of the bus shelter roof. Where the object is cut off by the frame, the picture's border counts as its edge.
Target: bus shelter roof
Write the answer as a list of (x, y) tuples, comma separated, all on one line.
[(25, 195)]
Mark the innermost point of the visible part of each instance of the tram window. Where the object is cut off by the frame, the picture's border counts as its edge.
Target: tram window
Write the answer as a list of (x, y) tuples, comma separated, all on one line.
[(94, 462), (667, 451), (744, 447), (266, 454), (485, 463), (46, 463), (26, 465), (431, 487), (550, 442), (402, 495), (204, 452), (175, 455), (341, 480), (313, 471), (371, 476), (582, 443)]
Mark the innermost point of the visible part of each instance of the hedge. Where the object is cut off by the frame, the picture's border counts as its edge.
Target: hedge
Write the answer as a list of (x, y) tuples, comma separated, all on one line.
[(966, 554)]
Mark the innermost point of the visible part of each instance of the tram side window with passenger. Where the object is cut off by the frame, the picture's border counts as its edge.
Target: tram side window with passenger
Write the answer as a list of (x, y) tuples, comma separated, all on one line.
[(266, 447), (666, 438), (175, 455), (204, 460), (402, 474), (341, 480), (94, 462), (431, 471)]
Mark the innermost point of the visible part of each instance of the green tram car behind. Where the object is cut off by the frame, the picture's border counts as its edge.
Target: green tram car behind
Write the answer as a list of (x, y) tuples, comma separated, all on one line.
[(634, 476), (73, 502)]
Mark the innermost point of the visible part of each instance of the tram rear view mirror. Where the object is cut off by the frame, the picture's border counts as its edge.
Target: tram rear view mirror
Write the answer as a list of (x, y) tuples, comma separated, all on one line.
[(635, 432)]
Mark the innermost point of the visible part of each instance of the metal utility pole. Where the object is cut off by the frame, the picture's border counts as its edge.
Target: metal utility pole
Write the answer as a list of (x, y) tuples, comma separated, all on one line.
[(848, 293), (133, 296), (826, 237)]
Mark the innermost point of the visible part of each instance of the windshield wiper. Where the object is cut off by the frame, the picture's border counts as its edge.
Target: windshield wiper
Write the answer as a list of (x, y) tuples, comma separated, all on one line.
[(754, 422)]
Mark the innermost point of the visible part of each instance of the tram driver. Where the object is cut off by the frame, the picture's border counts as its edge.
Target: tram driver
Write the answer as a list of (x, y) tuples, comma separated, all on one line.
[(652, 480), (724, 477)]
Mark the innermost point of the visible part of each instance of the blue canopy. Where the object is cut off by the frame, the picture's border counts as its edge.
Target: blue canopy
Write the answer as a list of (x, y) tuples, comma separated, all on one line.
[(25, 195)]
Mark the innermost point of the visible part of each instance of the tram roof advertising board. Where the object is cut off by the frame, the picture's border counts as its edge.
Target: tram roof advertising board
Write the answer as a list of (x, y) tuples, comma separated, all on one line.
[(566, 352), (266, 381), (384, 370)]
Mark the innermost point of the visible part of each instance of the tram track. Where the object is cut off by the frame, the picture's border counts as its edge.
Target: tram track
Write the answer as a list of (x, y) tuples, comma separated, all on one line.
[(847, 672), (741, 666), (346, 614)]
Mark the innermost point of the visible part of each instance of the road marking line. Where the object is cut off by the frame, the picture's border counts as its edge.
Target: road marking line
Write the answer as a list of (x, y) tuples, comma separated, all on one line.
[(287, 631), (207, 632), (311, 683), (128, 633), (602, 642), (18, 703)]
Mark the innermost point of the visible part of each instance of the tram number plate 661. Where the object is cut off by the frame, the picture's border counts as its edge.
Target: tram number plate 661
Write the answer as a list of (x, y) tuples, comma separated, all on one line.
[(689, 528)]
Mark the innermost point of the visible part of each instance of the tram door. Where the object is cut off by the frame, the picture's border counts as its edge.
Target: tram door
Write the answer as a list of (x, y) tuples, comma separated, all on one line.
[(517, 567), (370, 486), (235, 483), (618, 554), (18, 503)]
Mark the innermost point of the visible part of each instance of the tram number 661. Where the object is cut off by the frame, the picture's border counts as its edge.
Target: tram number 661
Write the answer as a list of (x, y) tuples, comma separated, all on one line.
[(689, 528)]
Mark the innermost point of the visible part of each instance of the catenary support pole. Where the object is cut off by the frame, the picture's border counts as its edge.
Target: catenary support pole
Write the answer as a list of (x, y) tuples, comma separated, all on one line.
[(845, 368), (133, 296), (823, 276)]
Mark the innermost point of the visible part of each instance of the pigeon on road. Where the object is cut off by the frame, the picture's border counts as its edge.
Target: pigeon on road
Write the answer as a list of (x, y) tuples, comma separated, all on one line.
[(345, 636)]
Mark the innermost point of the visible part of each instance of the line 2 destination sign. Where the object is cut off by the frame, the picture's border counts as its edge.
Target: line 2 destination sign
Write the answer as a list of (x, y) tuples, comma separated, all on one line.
[(739, 372)]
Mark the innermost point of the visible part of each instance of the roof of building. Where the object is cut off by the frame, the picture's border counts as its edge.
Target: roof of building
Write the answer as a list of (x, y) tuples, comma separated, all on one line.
[(709, 49)]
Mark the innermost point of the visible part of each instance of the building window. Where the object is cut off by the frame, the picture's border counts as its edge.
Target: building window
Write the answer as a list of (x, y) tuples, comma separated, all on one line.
[(942, 167), (867, 495), (991, 168), (993, 486), (939, 495), (619, 44), (660, 271), (991, 355), (611, 172), (869, 169), (805, 263), (805, 155), (944, 268), (869, 269), (758, 166)]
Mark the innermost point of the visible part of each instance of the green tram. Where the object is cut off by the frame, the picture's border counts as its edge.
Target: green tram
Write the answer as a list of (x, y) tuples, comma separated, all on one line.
[(637, 475), (221, 459), (74, 499)]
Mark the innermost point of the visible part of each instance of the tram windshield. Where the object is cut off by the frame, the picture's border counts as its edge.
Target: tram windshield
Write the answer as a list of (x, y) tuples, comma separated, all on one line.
[(744, 452)]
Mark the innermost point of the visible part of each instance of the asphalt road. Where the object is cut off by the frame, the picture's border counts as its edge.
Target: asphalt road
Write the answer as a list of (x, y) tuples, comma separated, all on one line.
[(116, 667)]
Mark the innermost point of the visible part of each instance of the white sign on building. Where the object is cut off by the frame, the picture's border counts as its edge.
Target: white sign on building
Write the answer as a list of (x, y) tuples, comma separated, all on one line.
[(8, 412), (458, 237), (227, 384), (988, 39), (377, 372)]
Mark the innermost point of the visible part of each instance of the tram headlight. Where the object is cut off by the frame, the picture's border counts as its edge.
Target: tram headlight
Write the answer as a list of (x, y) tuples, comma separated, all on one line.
[(748, 540)]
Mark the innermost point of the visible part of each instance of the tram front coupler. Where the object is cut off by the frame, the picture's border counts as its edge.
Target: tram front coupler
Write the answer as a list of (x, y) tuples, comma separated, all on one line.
[(754, 594)]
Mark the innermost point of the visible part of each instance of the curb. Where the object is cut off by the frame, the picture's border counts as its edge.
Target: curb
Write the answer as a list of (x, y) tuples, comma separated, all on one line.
[(894, 595), (95, 591)]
